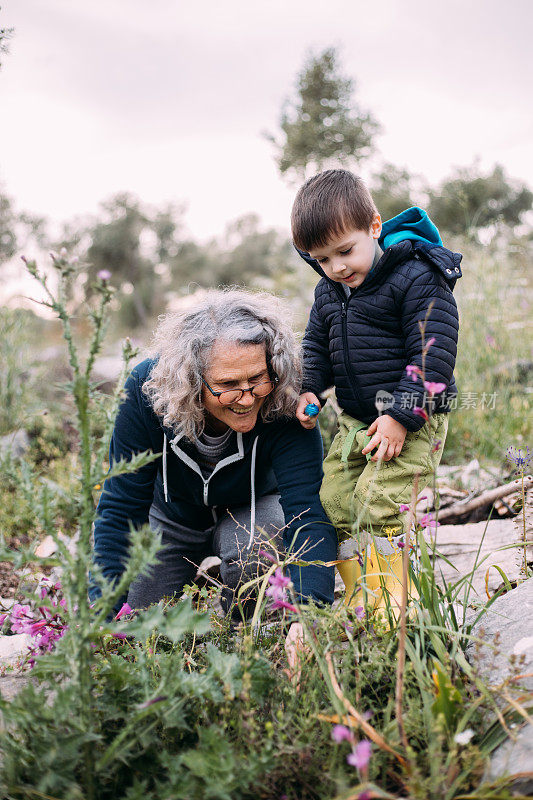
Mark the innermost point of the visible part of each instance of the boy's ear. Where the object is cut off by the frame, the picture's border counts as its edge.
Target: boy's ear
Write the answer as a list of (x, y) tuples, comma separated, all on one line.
[(375, 227)]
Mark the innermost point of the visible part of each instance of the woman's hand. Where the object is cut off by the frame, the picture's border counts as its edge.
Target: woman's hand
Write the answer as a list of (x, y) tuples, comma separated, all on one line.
[(305, 399), (388, 436), (297, 651)]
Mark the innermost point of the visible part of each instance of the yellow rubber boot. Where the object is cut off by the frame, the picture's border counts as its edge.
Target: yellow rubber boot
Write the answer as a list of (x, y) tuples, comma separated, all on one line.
[(389, 563), (361, 584)]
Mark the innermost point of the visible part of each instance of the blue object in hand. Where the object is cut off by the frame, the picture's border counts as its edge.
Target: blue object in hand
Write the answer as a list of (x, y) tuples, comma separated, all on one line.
[(311, 410)]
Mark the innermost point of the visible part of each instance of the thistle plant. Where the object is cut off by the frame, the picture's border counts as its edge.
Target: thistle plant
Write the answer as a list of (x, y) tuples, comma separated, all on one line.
[(521, 462), (82, 624)]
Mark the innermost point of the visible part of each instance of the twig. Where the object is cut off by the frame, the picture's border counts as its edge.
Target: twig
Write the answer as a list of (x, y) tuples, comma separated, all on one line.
[(356, 719), (484, 499), (400, 667)]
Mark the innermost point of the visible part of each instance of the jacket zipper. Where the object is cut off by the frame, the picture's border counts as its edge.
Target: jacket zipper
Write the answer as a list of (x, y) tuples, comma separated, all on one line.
[(354, 383)]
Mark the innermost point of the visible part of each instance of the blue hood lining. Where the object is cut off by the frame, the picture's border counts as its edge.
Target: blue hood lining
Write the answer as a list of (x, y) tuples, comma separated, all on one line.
[(413, 223)]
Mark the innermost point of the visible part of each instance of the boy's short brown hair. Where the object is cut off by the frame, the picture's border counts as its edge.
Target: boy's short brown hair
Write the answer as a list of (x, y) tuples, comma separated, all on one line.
[(327, 205)]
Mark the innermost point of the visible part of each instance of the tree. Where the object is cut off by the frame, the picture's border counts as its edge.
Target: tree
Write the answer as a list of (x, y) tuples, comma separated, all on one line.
[(8, 220), (469, 201), (392, 190), (322, 125), (5, 35), (244, 255), (116, 246)]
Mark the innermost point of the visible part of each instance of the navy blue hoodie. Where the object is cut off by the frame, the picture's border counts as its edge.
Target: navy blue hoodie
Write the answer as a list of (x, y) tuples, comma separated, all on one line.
[(288, 459), (362, 343)]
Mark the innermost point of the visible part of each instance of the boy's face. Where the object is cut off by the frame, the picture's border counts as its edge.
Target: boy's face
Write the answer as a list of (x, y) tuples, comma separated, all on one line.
[(348, 258)]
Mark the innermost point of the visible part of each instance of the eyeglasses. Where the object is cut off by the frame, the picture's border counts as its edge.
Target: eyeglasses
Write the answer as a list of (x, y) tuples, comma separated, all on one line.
[(229, 396)]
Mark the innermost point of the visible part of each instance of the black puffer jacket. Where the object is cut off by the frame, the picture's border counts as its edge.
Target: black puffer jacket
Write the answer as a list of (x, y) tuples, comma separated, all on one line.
[(363, 343)]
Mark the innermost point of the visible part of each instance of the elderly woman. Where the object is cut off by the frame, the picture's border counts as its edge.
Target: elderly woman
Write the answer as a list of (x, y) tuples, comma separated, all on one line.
[(236, 468)]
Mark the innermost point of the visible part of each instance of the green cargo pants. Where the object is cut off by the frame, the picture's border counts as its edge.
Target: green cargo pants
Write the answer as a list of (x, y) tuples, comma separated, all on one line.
[(359, 494)]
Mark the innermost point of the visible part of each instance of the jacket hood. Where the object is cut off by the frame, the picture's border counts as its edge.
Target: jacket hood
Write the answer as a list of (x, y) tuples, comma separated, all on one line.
[(413, 223), (410, 234)]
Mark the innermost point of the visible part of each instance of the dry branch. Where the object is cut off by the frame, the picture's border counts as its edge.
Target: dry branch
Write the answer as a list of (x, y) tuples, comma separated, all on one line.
[(484, 499)]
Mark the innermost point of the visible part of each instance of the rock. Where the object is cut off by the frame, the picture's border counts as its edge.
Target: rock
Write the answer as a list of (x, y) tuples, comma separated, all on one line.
[(460, 545), (511, 617), (15, 444), (13, 648), (46, 548), (10, 685)]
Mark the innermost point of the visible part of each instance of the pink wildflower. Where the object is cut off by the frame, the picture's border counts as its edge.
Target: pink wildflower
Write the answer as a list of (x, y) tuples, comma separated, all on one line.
[(104, 275), (283, 604), (126, 609), (434, 388), (359, 612), (3, 618), (21, 619), (429, 521), (360, 756), (404, 507), (429, 343), (278, 586), (268, 556), (420, 413), (341, 733), (413, 371)]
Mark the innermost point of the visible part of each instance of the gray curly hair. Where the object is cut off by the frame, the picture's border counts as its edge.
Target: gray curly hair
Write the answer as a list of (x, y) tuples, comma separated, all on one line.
[(183, 341)]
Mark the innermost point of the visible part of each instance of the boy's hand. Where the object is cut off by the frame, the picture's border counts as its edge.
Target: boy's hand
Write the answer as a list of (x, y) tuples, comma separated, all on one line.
[(388, 436), (305, 398)]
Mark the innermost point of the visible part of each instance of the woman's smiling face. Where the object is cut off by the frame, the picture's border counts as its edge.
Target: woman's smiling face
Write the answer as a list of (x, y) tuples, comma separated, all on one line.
[(234, 366)]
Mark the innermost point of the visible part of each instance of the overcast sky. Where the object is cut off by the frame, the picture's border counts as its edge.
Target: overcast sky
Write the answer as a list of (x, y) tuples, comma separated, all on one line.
[(168, 99)]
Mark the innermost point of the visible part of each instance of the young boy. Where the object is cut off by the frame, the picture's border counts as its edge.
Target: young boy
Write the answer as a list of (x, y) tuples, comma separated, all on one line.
[(393, 381)]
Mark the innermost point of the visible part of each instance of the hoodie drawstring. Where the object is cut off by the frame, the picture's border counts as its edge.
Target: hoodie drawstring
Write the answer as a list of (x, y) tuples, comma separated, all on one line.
[(252, 504), (165, 483)]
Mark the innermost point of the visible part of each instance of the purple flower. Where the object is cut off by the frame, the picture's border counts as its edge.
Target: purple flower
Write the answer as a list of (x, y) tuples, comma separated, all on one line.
[(436, 446), (491, 341), (413, 371), (359, 612), (434, 388), (126, 609), (420, 413), (404, 507), (104, 275), (401, 545), (515, 456), (341, 733), (3, 618), (366, 795), (360, 755)]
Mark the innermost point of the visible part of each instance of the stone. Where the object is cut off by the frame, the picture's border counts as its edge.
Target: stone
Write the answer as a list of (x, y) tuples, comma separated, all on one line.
[(511, 617), (478, 542), (10, 685), (15, 444), (14, 648), (46, 548)]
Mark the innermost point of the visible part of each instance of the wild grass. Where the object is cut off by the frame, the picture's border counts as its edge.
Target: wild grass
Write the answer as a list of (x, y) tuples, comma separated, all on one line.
[(181, 706)]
